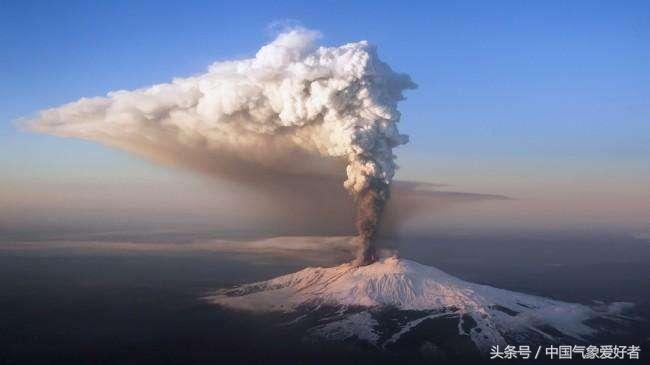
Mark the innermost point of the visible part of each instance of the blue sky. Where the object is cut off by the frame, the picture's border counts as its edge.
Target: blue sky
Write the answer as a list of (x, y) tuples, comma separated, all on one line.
[(510, 93)]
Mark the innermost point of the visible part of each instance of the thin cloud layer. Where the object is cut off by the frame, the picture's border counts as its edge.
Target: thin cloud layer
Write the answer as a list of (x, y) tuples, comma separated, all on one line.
[(311, 249)]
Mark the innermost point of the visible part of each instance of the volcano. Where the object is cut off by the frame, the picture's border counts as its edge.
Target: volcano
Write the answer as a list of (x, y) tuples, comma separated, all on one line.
[(380, 303)]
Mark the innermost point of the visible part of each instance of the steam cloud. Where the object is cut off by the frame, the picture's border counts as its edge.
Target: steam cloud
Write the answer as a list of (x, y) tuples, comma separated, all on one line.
[(291, 109)]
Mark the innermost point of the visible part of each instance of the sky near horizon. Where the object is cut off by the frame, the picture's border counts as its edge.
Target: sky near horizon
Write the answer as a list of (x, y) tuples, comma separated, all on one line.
[(545, 102)]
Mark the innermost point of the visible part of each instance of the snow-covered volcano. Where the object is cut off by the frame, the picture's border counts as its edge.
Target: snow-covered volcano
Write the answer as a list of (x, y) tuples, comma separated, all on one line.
[(488, 315)]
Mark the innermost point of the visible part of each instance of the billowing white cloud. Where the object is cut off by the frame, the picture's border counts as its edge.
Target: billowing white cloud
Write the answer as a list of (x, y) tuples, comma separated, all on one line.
[(291, 98)]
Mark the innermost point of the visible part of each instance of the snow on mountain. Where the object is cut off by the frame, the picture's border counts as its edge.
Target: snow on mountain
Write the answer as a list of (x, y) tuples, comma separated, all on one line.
[(496, 314)]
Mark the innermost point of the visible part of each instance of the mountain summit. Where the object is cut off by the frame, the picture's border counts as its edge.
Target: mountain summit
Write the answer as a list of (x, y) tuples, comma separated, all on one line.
[(361, 296)]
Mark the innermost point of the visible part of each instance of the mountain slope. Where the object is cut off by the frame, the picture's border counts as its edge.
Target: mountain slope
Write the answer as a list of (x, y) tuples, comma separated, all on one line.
[(488, 315)]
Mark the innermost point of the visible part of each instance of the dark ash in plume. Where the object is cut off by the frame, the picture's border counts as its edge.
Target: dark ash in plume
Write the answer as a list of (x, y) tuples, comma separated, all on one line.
[(370, 206)]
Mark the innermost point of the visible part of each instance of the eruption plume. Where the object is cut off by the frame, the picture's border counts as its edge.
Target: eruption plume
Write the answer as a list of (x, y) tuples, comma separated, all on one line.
[(370, 206), (289, 111)]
